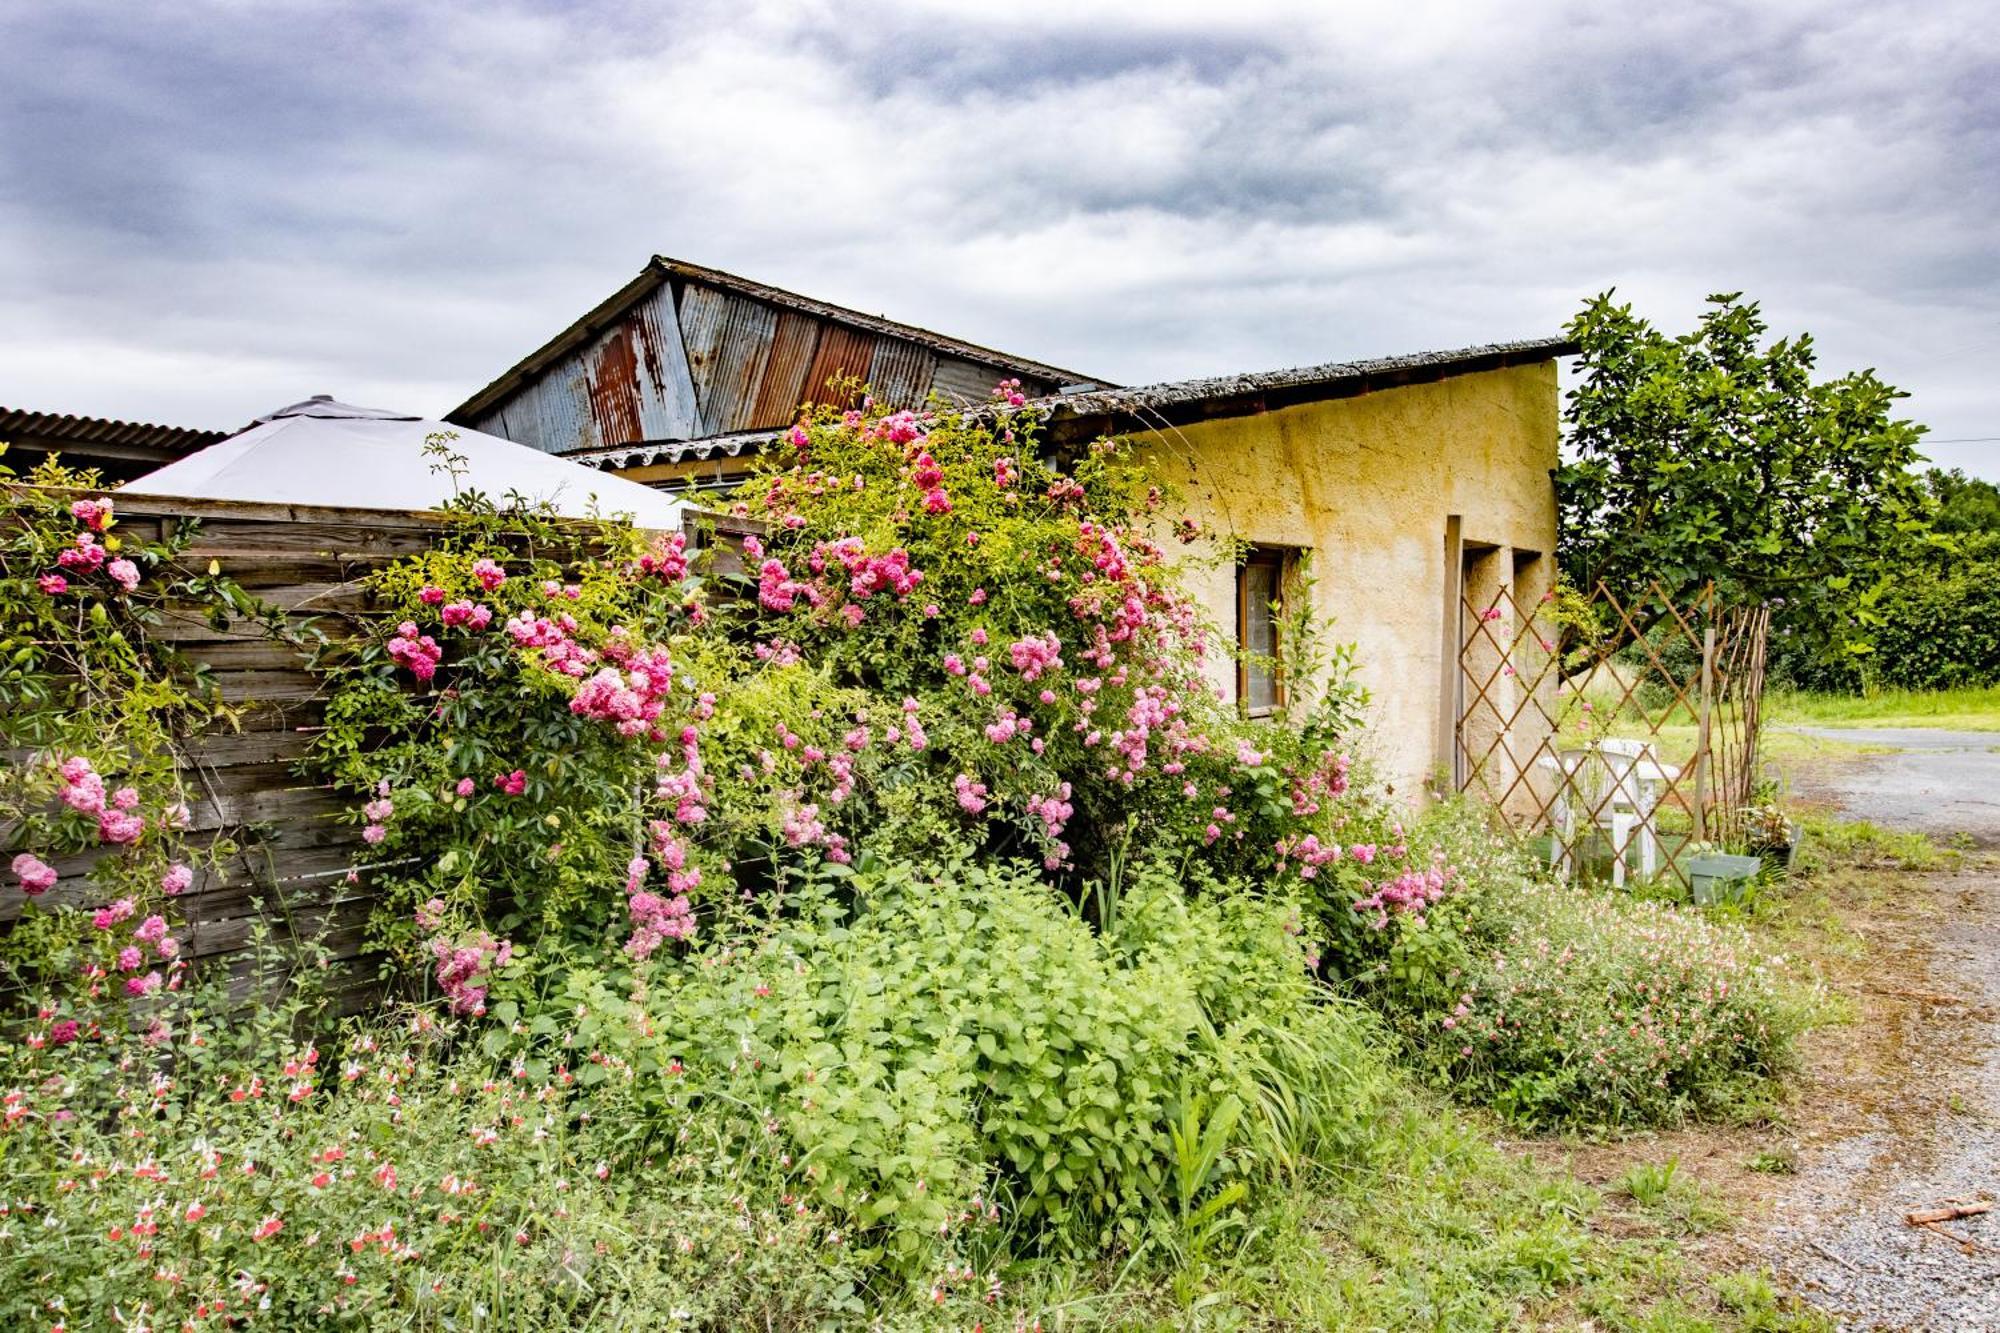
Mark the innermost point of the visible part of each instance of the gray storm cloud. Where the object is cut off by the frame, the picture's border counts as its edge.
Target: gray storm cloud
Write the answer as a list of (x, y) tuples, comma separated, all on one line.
[(210, 209)]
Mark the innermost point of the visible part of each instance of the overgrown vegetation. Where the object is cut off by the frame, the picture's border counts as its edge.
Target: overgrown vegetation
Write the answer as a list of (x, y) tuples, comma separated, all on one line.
[(901, 931)]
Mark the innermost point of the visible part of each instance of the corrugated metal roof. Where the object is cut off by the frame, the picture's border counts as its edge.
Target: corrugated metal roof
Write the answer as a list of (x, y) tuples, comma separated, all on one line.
[(684, 351), (101, 431), (1173, 403)]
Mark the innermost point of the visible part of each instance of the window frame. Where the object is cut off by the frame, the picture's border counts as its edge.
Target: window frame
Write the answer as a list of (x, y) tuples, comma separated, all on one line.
[(1281, 561)]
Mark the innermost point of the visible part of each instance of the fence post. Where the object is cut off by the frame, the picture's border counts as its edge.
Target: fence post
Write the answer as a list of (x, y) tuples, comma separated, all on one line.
[(1701, 760)]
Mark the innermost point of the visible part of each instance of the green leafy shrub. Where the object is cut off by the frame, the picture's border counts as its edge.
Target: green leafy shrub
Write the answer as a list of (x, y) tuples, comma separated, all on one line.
[(939, 1041)]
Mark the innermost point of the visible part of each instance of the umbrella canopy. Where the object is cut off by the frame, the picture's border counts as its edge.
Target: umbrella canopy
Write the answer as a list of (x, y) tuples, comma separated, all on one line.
[(320, 452)]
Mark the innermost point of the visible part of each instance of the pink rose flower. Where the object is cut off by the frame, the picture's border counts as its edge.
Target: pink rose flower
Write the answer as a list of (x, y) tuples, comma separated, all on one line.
[(36, 875), (53, 585), (116, 826), (124, 573), (93, 514)]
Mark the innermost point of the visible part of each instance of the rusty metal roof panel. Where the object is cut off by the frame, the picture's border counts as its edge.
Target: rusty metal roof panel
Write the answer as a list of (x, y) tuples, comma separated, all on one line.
[(900, 374), (844, 354), (630, 383), (876, 324), (846, 343), (728, 340), (793, 347)]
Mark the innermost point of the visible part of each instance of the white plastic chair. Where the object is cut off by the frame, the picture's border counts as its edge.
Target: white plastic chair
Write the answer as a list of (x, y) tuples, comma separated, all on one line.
[(1607, 786)]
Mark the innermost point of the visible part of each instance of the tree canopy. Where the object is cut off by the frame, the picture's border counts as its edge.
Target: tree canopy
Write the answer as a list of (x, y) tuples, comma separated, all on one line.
[(1714, 457)]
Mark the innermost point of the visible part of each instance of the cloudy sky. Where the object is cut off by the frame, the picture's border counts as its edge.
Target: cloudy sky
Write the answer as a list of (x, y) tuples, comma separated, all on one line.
[(209, 209)]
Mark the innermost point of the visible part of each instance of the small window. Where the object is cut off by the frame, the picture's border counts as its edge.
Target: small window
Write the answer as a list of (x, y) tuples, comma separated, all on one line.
[(1260, 606)]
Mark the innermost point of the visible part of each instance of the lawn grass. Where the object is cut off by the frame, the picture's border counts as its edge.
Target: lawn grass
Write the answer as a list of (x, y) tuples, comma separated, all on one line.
[(1446, 1231), (1966, 709)]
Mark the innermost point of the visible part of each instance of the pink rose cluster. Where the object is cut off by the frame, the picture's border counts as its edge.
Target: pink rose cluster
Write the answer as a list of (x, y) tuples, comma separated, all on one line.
[(631, 698), (36, 875), (869, 574), (93, 514), (552, 642), (378, 813), (466, 613), (150, 935), (1308, 852), (1054, 811), (971, 795), (928, 477), (83, 554), (84, 792), (465, 968), (666, 561), (1409, 893), (777, 590), (656, 918), (1325, 781), (1034, 655), (419, 653)]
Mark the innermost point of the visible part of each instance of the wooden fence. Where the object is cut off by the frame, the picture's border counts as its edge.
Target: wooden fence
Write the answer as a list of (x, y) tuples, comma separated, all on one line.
[(292, 850)]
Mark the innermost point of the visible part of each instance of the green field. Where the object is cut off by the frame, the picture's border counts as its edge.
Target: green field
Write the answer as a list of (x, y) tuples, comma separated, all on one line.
[(1967, 709)]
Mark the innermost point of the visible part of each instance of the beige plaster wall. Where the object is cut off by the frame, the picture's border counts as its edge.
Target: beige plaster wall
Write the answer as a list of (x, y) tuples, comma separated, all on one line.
[(1369, 485)]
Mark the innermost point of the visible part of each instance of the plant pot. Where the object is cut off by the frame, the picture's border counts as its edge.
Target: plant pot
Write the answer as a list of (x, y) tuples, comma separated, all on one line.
[(1780, 854)]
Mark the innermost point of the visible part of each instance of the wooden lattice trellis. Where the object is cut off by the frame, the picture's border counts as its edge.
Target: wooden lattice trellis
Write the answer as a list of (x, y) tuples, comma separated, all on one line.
[(1559, 726)]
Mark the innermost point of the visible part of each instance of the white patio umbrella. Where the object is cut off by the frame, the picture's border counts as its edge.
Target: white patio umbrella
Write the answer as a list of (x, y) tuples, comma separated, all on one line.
[(320, 452)]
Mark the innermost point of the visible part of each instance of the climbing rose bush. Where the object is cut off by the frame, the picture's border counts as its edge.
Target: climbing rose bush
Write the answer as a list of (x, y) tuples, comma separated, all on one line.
[(94, 811), (938, 639)]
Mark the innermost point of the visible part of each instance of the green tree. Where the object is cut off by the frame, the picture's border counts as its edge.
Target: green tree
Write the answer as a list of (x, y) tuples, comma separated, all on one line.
[(1714, 457), (1964, 504)]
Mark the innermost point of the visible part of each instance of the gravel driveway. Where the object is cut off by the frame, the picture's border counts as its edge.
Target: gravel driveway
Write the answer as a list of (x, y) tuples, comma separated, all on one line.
[(1919, 1121), (1936, 782)]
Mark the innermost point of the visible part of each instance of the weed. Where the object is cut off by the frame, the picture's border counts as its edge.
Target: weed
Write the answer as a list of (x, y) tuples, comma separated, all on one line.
[(1648, 1183)]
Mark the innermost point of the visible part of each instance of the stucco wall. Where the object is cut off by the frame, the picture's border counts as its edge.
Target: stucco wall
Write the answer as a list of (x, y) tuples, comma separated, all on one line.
[(1369, 485)]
